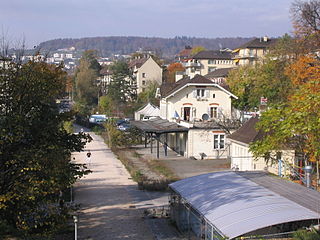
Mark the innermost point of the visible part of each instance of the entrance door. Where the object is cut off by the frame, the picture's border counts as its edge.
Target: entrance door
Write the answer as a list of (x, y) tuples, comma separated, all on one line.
[(186, 113)]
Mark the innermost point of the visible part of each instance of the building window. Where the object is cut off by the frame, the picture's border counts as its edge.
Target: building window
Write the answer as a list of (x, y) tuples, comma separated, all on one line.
[(211, 61), (213, 95), (201, 93), (213, 112), (143, 75), (218, 141), (143, 82)]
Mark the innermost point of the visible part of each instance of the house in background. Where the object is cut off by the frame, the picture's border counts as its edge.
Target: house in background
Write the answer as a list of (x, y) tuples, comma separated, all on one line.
[(185, 54), (104, 80), (219, 76), (205, 62), (145, 71), (243, 160), (253, 51)]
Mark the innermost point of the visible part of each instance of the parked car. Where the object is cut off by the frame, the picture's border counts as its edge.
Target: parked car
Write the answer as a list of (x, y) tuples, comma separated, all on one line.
[(124, 127), (146, 118), (120, 122)]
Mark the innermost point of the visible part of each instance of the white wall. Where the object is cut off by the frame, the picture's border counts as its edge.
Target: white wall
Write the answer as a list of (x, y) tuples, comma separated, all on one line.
[(242, 159), (201, 141), (186, 98)]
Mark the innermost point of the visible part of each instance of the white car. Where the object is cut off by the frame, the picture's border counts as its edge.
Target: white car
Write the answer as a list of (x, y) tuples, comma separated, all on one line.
[(146, 118)]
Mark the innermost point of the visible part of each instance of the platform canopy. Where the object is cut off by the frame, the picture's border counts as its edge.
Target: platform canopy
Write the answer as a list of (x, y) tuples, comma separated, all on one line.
[(236, 203), (158, 126)]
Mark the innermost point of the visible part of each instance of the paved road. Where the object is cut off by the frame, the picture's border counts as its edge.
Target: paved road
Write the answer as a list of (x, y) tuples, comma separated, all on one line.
[(110, 202)]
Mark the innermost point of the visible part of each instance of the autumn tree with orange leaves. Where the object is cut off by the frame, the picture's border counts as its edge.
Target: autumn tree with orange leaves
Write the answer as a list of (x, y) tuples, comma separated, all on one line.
[(172, 69), (295, 123)]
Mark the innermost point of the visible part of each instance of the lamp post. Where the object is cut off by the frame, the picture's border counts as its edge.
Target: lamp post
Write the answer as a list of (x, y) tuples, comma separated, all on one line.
[(75, 220)]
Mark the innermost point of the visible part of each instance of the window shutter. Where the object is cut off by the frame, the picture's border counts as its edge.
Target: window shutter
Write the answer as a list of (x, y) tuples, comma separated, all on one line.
[(207, 93), (182, 113), (208, 111), (195, 93), (220, 114), (194, 112)]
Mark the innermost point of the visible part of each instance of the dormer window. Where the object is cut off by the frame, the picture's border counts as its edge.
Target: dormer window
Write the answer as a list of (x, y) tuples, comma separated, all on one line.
[(201, 92)]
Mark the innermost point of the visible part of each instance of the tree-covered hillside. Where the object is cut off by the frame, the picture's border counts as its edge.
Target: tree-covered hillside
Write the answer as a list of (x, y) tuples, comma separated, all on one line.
[(166, 47)]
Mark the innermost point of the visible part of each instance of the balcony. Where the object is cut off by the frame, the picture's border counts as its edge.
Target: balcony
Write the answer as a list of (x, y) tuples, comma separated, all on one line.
[(245, 56), (192, 64)]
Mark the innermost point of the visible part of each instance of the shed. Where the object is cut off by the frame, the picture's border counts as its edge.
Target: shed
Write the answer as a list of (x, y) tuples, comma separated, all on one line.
[(235, 204)]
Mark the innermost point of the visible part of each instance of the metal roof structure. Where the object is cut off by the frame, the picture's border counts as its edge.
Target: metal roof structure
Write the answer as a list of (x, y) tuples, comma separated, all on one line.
[(236, 203), (158, 125)]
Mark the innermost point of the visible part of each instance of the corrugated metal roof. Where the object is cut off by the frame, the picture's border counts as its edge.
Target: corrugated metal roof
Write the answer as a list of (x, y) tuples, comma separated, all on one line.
[(158, 125), (236, 205)]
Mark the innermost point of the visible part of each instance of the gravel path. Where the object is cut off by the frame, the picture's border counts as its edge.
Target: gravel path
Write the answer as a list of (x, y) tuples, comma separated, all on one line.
[(109, 198)]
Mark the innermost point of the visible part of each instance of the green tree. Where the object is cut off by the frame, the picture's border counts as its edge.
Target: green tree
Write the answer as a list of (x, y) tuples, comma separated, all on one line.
[(295, 123), (35, 148), (91, 56), (149, 95), (122, 86), (86, 76), (197, 49), (266, 79), (106, 105)]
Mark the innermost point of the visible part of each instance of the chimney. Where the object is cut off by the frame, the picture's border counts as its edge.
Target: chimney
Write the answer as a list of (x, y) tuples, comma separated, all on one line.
[(265, 39)]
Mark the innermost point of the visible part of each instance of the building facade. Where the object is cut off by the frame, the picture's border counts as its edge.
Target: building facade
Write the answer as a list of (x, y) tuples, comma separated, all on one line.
[(253, 51), (198, 105), (145, 71)]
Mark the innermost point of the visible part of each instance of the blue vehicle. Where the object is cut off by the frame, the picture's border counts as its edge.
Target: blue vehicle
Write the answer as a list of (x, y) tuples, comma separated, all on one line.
[(124, 126)]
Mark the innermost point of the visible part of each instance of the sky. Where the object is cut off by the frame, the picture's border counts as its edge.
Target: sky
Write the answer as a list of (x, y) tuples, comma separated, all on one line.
[(36, 21)]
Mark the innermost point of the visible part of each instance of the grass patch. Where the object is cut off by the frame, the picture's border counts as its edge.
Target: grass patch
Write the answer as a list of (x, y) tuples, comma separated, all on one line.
[(124, 155), (160, 168)]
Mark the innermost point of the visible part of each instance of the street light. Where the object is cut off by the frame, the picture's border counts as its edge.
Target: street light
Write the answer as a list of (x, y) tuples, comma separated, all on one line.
[(75, 220)]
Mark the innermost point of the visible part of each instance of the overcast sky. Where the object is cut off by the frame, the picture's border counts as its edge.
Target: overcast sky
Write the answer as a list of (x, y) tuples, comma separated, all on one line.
[(41, 20)]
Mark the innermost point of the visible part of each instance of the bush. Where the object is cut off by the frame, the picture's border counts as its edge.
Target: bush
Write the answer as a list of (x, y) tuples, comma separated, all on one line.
[(306, 235)]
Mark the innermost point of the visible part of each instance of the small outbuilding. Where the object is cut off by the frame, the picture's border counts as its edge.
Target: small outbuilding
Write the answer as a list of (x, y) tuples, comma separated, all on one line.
[(279, 162), (228, 205), (148, 110)]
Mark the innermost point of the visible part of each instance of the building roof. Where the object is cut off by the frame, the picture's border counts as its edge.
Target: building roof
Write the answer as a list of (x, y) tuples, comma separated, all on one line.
[(220, 72), (259, 43), (213, 54), (158, 125), (185, 52), (247, 133), (199, 80), (105, 71), (237, 203), (149, 110), (137, 62)]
